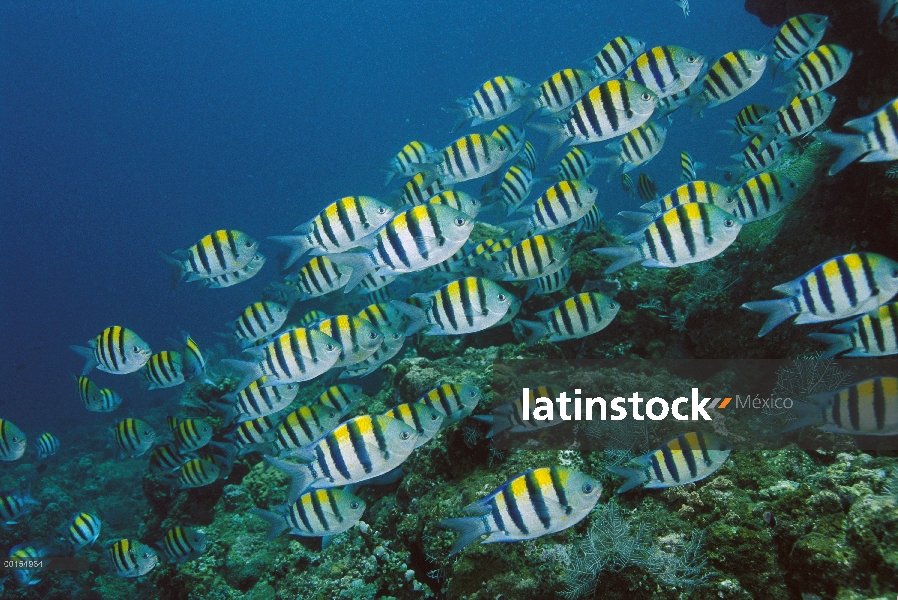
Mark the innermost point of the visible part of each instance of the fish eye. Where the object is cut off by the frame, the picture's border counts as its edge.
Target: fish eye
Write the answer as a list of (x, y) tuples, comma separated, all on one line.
[(759, 56), (473, 394), (588, 488), (646, 96), (382, 210), (501, 147), (396, 336), (730, 200), (459, 221), (729, 223), (434, 417), (692, 59), (249, 244), (137, 349), (501, 297), (330, 347), (353, 505), (613, 305), (404, 435), (895, 273), (291, 386), (373, 335)]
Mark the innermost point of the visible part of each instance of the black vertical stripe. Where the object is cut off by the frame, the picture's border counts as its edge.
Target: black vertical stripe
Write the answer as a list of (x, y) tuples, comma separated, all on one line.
[(537, 501), (336, 455), (847, 281), (318, 510), (665, 237), (688, 455), (854, 416), (513, 510), (879, 404), (670, 463)]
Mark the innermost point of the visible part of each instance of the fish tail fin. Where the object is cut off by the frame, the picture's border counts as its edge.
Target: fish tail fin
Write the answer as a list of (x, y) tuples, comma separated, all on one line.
[(390, 173), (298, 245), (838, 343), (623, 256), (614, 163), (461, 114), (806, 414), (248, 371), (555, 131), (789, 89), (177, 269), (634, 477), (468, 528), (360, 265), (89, 356), (417, 316), (852, 147), (277, 522), (638, 217), (227, 410), (777, 311), (536, 331), (300, 477)]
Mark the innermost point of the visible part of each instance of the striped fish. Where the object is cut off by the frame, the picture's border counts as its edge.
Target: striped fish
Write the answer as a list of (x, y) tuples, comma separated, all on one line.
[(253, 434), (497, 249), (197, 472), (761, 196), (514, 188), (408, 160), (130, 558), (578, 163), (362, 448), (533, 257), (496, 98), (609, 110), (734, 73), (670, 104), (591, 221), (688, 167), (636, 148), (839, 288), (579, 316), (132, 437), (420, 417), (527, 506), (83, 530), (876, 140), (303, 426), (343, 398), (421, 188), (319, 277), (687, 458), (560, 90), (165, 459), (164, 370), (116, 350), (12, 441), (616, 56), (470, 157), (796, 37), (14, 506), (527, 157), (463, 306), (748, 116), (97, 399), (244, 273), (460, 201), (683, 235), (341, 226), (757, 156), (509, 416), (511, 136), (47, 445), (193, 365), (548, 284), (296, 355), (452, 400), (868, 407), (28, 551), (358, 338), (190, 434), (666, 70), (796, 119), (258, 321), (394, 339), (821, 68), (220, 252), (694, 191), (872, 334), (313, 316), (564, 203), (181, 544), (319, 513), (381, 315), (646, 188), (414, 240)]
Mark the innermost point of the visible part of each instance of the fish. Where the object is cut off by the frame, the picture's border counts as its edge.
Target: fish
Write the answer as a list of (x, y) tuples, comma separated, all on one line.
[(670, 104), (130, 558), (687, 458), (165, 458), (888, 19), (548, 284), (527, 157), (576, 317), (841, 287), (684, 6), (421, 188), (616, 56), (688, 167), (626, 183), (47, 445), (756, 157), (562, 204), (313, 316), (761, 196), (454, 401), (509, 416), (30, 552), (591, 221), (531, 258), (470, 157), (414, 240), (797, 119), (82, 531), (197, 472), (294, 356), (577, 164), (190, 434), (117, 350), (646, 188), (181, 544), (163, 370), (874, 333), (513, 190), (868, 407), (748, 116), (221, 252), (319, 277), (245, 273), (193, 365), (425, 420), (689, 233), (700, 191), (636, 148), (341, 226), (495, 98), (343, 397), (12, 441), (362, 448), (381, 315), (14, 506), (892, 172), (394, 339), (822, 67), (254, 434), (609, 110), (796, 37), (408, 159), (303, 426), (733, 74), (132, 437), (666, 70), (876, 139), (256, 400), (460, 201), (258, 321), (463, 306), (96, 399), (320, 513), (358, 338), (560, 90), (512, 136), (527, 506)]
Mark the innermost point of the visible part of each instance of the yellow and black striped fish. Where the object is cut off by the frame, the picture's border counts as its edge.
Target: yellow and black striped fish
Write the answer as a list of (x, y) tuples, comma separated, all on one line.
[(687, 458), (132, 437), (646, 188), (116, 350), (47, 445), (496, 98), (454, 401), (313, 316), (220, 252), (190, 434), (626, 183), (181, 544), (97, 399), (838, 288), (672, 103), (343, 397), (759, 155), (564, 203), (561, 90), (460, 201), (666, 70), (357, 337), (319, 513), (130, 558), (530, 505), (319, 277), (463, 306), (193, 365), (83, 530), (512, 136), (578, 163), (533, 257), (164, 370), (258, 321), (15, 505), (197, 472), (253, 434), (12, 441), (616, 56), (579, 316), (876, 141), (509, 416), (796, 37), (748, 116), (591, 221), (421, 188), (733, 73), (394, 339), (420, 417), (514, 188), (381, 315), (165, 458), (872, 334), (683, 235), (636, 148), (527, 156), (548, 284), (244, 273), (821, 68), (688, 167), (303, 426), (341, 226), (471, 157), (798, 118), (868, 407), (694, 191), (761, 196), (407, 161)]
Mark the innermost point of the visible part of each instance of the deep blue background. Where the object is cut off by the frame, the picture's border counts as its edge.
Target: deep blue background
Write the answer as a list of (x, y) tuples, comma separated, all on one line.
[(135, 127)]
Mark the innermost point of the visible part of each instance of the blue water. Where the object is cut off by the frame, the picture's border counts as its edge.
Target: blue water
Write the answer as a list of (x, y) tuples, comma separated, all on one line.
[(130, 128)]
